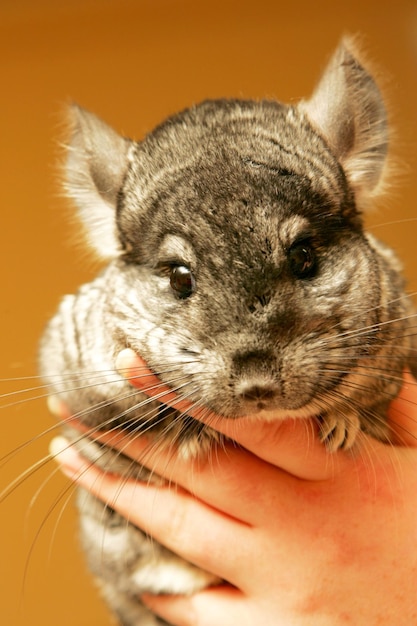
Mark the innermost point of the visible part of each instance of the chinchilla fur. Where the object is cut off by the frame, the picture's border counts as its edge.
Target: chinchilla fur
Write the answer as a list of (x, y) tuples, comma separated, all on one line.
[(238, 267)]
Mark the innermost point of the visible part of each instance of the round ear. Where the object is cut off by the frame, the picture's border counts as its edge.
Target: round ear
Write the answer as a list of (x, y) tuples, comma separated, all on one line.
[(97, 161), (347, 109)]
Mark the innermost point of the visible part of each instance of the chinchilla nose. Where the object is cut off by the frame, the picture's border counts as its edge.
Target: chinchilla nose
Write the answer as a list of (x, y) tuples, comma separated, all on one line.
[(257, 395), (257, 392), (256, 384)]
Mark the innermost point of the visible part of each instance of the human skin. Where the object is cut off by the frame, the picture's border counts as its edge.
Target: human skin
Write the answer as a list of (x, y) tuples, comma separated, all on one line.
[(302, 537)]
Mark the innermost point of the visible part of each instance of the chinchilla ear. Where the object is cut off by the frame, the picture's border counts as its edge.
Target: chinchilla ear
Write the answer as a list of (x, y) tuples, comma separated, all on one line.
[(97, 160), (348, 110)]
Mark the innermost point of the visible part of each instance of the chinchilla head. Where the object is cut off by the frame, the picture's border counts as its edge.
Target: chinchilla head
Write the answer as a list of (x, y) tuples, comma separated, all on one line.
[(236, 237)]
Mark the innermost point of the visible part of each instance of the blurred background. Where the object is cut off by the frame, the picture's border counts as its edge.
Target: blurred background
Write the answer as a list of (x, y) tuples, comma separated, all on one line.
[(134, 62)]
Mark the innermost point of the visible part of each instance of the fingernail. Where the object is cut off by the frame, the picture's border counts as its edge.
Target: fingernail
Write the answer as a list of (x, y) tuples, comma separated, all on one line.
[(57, 407), (65, 455), (126, 360)]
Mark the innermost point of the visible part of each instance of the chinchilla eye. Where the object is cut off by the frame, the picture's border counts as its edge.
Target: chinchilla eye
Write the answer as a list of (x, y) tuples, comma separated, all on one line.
[(182, 281), (302, 260)]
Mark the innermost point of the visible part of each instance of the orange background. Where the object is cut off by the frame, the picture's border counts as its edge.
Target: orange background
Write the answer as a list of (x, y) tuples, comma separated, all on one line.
[(134, 62)]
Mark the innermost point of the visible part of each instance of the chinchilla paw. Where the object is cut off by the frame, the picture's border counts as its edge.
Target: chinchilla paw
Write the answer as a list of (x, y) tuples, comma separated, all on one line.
[(339, 432)]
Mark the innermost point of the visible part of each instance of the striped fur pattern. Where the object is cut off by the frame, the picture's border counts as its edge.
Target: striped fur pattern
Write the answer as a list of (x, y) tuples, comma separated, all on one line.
[(238, 267)]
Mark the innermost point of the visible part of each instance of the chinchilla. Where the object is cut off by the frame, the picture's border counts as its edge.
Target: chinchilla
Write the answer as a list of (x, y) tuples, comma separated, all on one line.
[(238, 267)]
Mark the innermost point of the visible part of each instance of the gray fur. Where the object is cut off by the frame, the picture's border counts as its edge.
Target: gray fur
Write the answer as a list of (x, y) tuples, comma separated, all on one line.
[(246, 195)]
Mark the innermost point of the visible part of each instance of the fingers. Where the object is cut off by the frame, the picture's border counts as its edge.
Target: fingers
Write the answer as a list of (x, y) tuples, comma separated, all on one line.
[(217, 605), (229, 479), (403, 414), (292, 445), (170, 515)]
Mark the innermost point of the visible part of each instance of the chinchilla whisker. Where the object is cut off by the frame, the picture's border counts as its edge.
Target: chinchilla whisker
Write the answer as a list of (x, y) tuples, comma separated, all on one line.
[(405, 220), (12, 453), (103, 380), (348, 383), (333, 343), (143, 372), (63, 376), (353, 403), (69, 492), (75, 417), (59, 377), (47, 393), (175, 437), (161, 384), (120, 398), (351, 355), (141, 428), (175, 386), (376, 417), (16, 482), (368, 372), (377, 324), (404, 430), (41, 487), (53, 428), (21, 392), (389, 372), (408, 296), (171, 430), (66, 492), (352, 361), (157, 397), (246, 305), (365, 329), (9, 455)]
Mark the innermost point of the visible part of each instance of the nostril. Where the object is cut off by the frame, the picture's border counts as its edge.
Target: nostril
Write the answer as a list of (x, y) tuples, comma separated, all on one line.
[(258, 392), (259, 302), (256, 379)]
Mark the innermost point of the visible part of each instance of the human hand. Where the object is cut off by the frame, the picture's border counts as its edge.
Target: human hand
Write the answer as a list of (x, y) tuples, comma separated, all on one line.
[(302, 537)]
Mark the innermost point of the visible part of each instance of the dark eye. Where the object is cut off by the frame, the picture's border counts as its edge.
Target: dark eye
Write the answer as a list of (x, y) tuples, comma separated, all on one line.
[(182, 281), (302, 260)]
